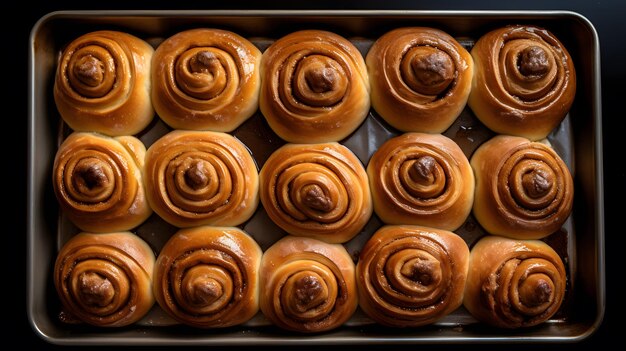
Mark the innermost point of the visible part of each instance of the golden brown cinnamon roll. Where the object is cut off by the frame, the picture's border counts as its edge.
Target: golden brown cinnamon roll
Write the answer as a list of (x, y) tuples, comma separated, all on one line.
[(514, 283), (421, 179), (208, 277), (524, 81), (315, 87), (307, 285), (206, 79), (316, 190), (523, 189), (410, 276), (421, 78), (103, 83), (105, 279), (98, 182), (201, 178)]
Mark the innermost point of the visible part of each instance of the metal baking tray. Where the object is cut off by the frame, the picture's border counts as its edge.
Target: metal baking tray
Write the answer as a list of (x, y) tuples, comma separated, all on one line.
[(578, 140)]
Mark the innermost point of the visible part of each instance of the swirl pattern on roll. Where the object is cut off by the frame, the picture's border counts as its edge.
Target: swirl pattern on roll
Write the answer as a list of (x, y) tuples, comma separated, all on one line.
[(98, 182), (421, 179), (410, 276), (206, 79), (525, 81), (207, 277), (524, 190), (315, 87), (514, 283), (103, 83), (316, 190), (105, 279), (307, 285), (201, 178), (421, 78)]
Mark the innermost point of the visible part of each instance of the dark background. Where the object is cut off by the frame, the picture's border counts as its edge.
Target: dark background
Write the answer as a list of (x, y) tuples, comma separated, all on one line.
[(606, 16)]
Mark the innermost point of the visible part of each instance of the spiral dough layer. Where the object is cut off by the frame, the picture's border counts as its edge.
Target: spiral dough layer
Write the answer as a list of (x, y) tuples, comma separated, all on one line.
[(103, 83), (421, 179), (316, 190), (421, 78), (514, 283), (315, 87), (207, 277), (410, 276), (201, 178), (523, 189), (525, 81), (307, 285), (98, 182), (105, 279), (206, 79)]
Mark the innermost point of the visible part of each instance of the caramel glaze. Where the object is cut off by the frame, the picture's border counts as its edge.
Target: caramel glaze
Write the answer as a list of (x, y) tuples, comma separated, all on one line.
[(315, 87), (98, 182), (307, 285), (102, 83), (524, 82), (421, 78), (514, 283), (523, 189), (409, 276), (206, 79), (105, 279), (207, 277)]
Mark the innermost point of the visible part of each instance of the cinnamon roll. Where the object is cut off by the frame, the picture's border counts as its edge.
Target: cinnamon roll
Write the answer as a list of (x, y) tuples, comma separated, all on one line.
[(307, 285), (523, 189), (524, 81), (316, 190), (514, 283), (102, 83), (421, 179), (409, 276), (105, 279), (208, 277), (315, 87), (421, 78), (98, 182), (206, 79), (201, 178)]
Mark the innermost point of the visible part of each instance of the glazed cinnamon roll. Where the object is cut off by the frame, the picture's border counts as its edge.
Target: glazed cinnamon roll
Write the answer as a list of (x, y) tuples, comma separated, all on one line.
[(410, 276), (206, 79), (316, 190), (102, 83), (421, 179), (307, 285), (421, 78), (514, 283), (201, 178), (98, 182), (105, 279), (524, 82), (523, 189), (208, 277), (315, 87)]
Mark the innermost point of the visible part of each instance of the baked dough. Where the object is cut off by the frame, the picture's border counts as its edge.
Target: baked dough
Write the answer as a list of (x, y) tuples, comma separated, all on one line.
[(315, 87), (102, 83)]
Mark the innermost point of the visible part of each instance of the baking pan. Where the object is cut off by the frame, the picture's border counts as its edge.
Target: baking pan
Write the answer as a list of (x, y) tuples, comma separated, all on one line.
[(578, 140)]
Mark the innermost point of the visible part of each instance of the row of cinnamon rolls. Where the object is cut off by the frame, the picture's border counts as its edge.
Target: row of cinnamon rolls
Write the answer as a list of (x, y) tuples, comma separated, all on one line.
[(515, 187), (315, 86), (216, 277)]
